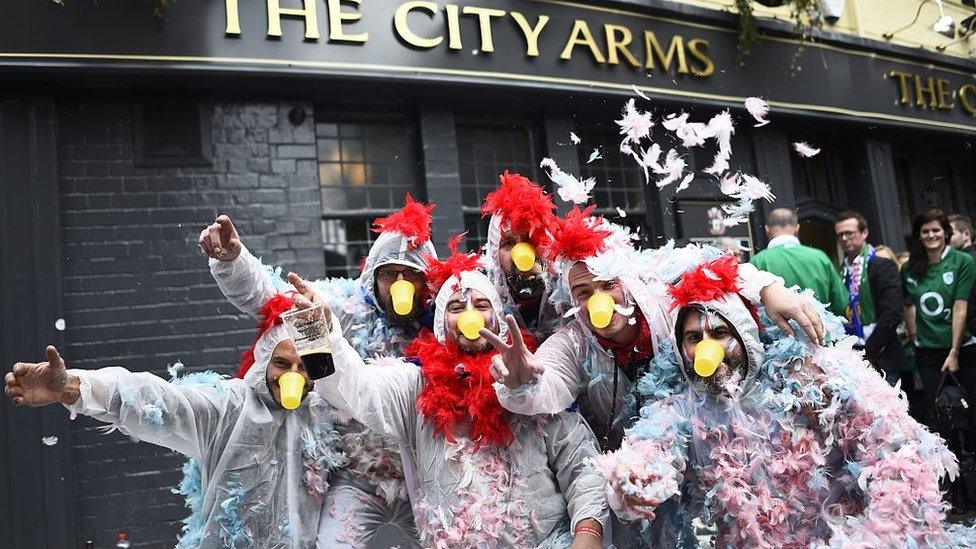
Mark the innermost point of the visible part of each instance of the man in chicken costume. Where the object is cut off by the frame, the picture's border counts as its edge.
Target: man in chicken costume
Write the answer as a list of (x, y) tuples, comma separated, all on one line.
[(619, 323), (478, 476), (519, 229), (777, 444), (380, 312), (261, 455)]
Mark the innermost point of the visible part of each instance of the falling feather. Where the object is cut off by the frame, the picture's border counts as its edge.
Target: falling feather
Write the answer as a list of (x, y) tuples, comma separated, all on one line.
[(574, 138), (621, 212), (595, 155), (570, 188), (639, 92), (758, 108), (805, 150), (721, 127), (634, 124)]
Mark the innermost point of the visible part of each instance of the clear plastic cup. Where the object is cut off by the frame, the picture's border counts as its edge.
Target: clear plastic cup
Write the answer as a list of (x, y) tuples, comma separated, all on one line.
[(309, 329)]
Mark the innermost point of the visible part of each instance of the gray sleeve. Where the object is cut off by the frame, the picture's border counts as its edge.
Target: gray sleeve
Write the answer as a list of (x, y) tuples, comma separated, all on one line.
[(381, 394), (572, 447), (151, 409), (245, 282)]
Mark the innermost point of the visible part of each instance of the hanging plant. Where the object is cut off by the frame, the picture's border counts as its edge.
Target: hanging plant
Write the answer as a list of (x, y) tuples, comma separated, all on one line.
[(159, 7), (805, 15)]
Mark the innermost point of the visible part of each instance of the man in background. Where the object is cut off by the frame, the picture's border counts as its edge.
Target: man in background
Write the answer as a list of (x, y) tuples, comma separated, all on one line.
[(799, 265), (874, 308), (962, 240)]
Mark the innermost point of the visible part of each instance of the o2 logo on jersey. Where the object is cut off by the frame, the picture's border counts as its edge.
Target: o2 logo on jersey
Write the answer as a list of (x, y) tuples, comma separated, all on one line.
[(932, 304)]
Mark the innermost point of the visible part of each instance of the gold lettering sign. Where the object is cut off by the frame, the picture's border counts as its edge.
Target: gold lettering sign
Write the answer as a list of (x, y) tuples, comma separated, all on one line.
[(307, 12), (927, 92), (338, 18), (616, 46)]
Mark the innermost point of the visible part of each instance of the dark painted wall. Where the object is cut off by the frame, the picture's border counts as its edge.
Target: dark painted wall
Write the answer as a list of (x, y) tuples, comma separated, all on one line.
[(137, 290)]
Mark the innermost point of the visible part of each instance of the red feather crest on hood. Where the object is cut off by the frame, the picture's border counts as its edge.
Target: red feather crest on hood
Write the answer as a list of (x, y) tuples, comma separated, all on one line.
[(270, 315), (412, 221), (578, 236), (524, 206), (706, 282), (438, 271)]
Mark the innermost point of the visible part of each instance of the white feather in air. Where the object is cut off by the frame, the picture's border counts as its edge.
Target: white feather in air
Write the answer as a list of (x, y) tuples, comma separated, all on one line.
[(570, 188), (758, 108), (805, 150), (721, 128), (634, 125)]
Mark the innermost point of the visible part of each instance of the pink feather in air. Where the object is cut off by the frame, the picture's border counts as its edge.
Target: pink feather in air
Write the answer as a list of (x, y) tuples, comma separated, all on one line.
[(758, 108)]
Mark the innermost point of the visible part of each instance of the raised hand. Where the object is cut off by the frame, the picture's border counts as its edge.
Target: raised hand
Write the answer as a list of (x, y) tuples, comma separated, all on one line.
[(306, 297), (220, 240), (514, 365), (37, 384), (783, 305)]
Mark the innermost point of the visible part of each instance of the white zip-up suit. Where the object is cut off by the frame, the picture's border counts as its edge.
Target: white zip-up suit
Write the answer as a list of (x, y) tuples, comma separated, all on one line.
[(260, 471), (368, 492)]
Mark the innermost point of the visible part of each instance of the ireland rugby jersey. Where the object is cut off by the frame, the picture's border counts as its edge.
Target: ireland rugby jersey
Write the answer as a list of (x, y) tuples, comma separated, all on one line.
[(945, 282)]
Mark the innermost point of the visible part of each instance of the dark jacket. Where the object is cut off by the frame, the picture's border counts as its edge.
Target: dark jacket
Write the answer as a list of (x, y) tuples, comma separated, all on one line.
[(883, 348)]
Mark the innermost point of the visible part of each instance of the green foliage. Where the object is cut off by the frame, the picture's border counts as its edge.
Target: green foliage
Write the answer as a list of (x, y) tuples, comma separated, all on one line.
[(159, 7), (805, 15)]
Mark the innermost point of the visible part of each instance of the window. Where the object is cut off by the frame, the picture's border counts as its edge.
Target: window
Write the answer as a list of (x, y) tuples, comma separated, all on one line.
[(820, 178), (485, 151), (366, 165), (171, 133), (619, 180)]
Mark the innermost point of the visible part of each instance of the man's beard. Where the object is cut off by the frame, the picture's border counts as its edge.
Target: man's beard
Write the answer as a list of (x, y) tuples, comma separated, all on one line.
[(736, 370), (395, 319), (469, 347), (526, 287)]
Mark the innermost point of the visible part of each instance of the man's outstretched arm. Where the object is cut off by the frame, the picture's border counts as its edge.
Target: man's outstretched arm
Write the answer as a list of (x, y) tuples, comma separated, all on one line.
[(140, 404)]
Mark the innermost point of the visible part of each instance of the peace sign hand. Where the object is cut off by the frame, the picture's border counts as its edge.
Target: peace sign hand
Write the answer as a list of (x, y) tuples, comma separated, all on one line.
[(514, 365)]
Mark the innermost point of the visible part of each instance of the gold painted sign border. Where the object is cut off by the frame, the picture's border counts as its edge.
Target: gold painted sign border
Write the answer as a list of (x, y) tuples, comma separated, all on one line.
[(361, 67)]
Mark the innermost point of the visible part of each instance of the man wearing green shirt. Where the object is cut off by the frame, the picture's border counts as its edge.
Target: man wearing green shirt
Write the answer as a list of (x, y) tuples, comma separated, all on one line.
[(799, 265)]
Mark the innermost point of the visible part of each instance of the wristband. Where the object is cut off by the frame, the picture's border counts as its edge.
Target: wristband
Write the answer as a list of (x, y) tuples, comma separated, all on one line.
[(589, 531)]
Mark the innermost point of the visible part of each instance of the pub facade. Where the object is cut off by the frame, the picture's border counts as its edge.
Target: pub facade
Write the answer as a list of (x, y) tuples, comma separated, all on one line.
[(123, 134)]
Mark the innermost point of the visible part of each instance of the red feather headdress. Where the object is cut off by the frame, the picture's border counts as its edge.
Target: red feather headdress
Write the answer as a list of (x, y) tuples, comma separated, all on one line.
[(459, 391), (706, 282), (578, 236), (412, 221), (270, 315), (438, 271), (524, 206)]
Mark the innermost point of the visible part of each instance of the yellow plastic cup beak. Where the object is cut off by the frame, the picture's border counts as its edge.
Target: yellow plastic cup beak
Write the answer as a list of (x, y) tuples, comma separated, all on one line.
[(402, 292), (469, 323), (523, 255), (600, 306), (292, 385), (708, 355)]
